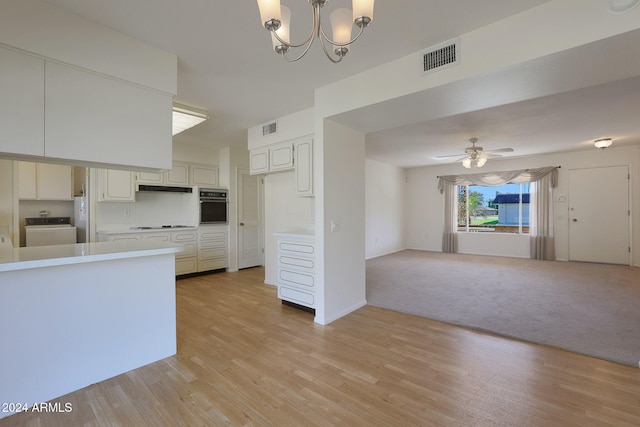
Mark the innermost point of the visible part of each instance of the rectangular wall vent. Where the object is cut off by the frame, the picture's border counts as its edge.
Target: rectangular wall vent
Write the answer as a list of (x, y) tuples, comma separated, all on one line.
[(270, 129), (441, 56)]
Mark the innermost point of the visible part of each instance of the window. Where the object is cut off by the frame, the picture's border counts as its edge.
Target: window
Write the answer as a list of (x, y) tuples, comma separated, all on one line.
[(495, 209)]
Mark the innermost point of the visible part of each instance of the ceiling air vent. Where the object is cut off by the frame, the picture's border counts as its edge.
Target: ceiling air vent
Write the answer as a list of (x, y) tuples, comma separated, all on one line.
[(441, 56), (270, 128)]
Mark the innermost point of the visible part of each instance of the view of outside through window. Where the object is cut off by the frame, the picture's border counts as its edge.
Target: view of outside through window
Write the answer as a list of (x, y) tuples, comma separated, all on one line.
[(501, 209)]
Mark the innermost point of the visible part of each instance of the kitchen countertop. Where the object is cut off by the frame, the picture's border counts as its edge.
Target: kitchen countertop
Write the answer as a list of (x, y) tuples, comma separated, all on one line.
[(123, 229), (12, 259)]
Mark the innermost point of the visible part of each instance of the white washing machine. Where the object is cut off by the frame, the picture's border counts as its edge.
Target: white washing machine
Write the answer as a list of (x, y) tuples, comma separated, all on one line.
[(49, 231)]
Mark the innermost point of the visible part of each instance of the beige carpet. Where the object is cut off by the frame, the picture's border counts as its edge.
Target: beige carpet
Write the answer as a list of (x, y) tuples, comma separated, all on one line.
[(592, 309)]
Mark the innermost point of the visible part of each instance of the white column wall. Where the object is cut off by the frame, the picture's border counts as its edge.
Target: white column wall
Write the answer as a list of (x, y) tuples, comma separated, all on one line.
[(343, 235)]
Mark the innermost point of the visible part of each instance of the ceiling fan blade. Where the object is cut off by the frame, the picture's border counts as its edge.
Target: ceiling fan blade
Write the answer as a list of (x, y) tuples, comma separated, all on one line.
[(488, 155), (448, 155), (500, 150)]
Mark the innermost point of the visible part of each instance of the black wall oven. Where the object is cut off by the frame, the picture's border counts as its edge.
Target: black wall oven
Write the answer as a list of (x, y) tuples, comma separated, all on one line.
[(213, 206)]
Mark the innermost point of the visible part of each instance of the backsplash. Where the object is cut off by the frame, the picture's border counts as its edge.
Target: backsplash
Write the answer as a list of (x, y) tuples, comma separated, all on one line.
[(149, 209)]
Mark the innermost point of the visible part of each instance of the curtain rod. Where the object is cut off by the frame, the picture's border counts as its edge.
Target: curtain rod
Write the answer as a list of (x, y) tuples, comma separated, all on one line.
[(557, 167)]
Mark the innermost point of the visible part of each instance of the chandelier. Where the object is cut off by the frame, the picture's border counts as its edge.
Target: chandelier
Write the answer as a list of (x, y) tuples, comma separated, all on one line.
[(277, 19)]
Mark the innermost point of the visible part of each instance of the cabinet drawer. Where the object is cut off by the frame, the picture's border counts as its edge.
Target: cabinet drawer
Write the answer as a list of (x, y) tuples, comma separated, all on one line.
[(122, 237), (157, 237), (189, 250), (209, 235), (298, 248), (296, 296), (211, 264), (213, 253), (186, 266), (209, 244), (298, 279), (184, 236), (302, 263)]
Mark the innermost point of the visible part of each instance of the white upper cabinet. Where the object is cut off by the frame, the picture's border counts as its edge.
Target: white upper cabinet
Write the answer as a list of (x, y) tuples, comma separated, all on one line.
[(303, 154), (91, 118), (259, 160), (42, 181), (178, 175), (204, 175), (21, 103), (115, 186), (281, 156), (295, 154), (272, 158)]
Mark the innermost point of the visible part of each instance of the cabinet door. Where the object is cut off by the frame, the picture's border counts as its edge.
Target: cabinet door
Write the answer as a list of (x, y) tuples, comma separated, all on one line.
[(92, 118), (281, 156), (259, 161), (27, 180), (116, 186), (150, 178), (21, 103), (54, 182), (303, 152), (204, 176), (178, 175)]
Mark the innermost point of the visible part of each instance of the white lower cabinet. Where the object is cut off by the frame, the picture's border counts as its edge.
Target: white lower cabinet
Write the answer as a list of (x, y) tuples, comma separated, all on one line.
[(212, 247), (296, 269), (186, 261)]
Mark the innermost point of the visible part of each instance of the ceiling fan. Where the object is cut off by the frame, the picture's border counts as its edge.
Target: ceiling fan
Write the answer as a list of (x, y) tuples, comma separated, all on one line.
[(475, 156)]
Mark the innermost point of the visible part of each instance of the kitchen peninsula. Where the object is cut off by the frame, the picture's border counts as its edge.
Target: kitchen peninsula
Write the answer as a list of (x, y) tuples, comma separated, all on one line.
[(73, 315)]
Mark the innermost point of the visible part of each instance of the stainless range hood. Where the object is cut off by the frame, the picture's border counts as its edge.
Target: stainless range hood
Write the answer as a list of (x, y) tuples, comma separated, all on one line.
[(165, 188)]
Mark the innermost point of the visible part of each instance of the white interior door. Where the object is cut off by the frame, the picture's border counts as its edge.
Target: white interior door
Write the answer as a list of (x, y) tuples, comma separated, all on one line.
[(250, 252), (599, 215)]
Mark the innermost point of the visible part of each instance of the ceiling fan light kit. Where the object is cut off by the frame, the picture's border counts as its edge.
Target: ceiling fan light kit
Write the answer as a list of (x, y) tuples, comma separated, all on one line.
[(277, 19), (475, 156)]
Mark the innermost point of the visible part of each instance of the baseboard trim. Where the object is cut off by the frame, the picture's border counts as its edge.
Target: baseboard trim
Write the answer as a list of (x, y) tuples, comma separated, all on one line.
[(336, 316)]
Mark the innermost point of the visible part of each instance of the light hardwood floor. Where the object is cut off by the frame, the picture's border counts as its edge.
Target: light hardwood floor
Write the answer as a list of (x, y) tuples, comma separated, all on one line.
[(246, 360)]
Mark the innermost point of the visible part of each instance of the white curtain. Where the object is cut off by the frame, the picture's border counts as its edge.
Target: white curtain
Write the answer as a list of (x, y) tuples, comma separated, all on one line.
[(542, 244), (542, 180), (450, 235)]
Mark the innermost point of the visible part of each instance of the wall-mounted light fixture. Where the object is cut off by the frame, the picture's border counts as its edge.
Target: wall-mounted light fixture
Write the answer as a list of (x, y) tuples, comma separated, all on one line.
[(602, 143), (185, 117)]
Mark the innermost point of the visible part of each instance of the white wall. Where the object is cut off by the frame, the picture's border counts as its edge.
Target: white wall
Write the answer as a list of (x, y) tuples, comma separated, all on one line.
[(203, 154), (385, 206), (498, 46), (289, 127), (425, 203), (284, 212), (343, 231)]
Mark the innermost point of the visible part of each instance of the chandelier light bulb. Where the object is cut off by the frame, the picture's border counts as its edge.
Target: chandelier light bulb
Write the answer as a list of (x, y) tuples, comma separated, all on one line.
[(277, 20), (270, 13), (283, 32)]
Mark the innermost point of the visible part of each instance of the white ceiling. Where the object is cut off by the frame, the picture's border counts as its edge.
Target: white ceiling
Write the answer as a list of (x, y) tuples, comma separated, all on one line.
[(226, 66)]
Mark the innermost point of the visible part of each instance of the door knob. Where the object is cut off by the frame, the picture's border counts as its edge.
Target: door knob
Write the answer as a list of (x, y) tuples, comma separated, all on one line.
[(242, 224), (575, 220)]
